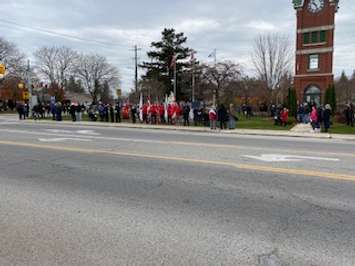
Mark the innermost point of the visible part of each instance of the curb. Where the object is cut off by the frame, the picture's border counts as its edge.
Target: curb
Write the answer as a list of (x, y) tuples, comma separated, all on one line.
[(244, 132)]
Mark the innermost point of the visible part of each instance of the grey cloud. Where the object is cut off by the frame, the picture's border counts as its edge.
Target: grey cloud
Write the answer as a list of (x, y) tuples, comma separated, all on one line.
[(228, 25)]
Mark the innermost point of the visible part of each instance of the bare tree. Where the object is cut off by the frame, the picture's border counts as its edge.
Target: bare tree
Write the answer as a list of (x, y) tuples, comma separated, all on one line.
[(153, 88), (272, 58), (56, 64), (46, 58), (220, 76), (345, 88), (352, 86), (94, 71), (14, 60)]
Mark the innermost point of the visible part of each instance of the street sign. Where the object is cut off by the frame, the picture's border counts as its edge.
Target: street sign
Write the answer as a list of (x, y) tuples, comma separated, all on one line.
[(26, 95), (119, 92), (2, 69)]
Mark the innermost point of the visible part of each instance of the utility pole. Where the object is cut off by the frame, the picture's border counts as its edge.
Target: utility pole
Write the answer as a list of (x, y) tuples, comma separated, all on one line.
[(193, 61), (28, 83), (136, 49)]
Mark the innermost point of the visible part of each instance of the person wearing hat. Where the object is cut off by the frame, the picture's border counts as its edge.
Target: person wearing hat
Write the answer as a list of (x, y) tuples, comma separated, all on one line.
[(327, 113)]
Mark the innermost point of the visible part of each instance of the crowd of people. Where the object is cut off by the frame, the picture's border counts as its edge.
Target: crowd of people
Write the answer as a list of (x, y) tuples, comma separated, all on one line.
[(349, 114), (318, 116), (183, 113)]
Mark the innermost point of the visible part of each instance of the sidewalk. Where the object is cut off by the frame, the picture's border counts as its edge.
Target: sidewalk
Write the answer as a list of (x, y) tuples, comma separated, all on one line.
[(254, 132)]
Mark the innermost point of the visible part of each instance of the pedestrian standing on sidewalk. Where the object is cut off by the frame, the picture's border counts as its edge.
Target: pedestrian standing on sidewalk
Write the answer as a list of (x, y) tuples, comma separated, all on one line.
[(186, 114), (284, 117), (326, 114), (300, 113), (162, 113), (72, 111), (212, 114), (232, 117), (314, 118), (112, 114), (134, 114), (101, 110), (20, 111), (118, 112), (107, 114), (349, 115), (58, 111), (307, 112), (222, 117)]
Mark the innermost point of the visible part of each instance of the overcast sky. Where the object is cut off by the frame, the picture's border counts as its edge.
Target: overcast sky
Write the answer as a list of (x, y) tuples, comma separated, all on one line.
[(113, 27)]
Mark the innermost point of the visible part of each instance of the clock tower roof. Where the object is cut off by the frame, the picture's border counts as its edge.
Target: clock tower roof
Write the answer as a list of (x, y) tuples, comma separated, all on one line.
[(300, 3)]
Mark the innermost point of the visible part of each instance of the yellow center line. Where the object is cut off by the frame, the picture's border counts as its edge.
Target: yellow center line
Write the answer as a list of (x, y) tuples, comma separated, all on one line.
[(247, 167)]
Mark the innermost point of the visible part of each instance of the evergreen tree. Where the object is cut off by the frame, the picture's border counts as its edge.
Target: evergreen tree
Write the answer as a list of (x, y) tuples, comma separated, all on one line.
[(330, 97), (74, 86), (106, 95), (159, 68), (292, 101)]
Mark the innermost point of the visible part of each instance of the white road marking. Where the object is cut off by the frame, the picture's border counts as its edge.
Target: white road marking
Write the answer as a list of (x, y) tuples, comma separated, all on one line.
[(81, 132), (63, 140), (8, 123), (288, 158)]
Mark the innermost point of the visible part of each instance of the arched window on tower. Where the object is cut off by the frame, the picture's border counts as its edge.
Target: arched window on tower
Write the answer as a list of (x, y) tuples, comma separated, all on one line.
[(312, 95)]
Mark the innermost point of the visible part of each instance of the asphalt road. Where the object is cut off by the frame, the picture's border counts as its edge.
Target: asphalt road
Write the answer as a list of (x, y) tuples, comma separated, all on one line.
[(74, 195)]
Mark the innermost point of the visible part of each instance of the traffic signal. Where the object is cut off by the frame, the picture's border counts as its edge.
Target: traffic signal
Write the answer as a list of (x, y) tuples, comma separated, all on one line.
[(2, 69)]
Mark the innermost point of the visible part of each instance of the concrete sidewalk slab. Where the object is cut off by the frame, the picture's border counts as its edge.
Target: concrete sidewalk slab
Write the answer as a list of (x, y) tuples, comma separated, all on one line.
[(252, 132)]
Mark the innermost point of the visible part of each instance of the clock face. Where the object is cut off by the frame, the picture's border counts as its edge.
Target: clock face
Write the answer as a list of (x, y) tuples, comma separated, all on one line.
[(316, 6)]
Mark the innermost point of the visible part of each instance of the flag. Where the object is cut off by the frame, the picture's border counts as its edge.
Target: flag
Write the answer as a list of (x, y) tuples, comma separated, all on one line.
[(213, 54), (166, 108), (141, 108)]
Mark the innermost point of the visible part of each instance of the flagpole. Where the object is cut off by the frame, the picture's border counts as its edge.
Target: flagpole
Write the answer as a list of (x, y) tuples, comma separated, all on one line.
[(193, 77), (215, 57), (175, 81), (214, 91)]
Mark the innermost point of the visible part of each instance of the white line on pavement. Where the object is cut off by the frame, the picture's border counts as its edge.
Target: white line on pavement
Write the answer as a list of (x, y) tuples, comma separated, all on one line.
[(63, 139), (288, 158)]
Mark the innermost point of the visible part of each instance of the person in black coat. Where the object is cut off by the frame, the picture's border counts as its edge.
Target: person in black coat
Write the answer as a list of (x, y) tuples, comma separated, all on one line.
[(112, 114), (72, 112), (326, 117), (186, 115), (134, 114), (349, 115), (118, 113), (222, 117), (106, 111)]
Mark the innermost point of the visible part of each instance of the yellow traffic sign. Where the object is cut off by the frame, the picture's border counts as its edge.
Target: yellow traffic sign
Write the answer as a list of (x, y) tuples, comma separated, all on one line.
[(119, 92), (26, 95), (2, 69)]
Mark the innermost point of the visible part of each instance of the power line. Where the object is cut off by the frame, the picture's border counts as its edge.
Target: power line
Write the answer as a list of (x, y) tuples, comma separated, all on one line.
[(58, 34)]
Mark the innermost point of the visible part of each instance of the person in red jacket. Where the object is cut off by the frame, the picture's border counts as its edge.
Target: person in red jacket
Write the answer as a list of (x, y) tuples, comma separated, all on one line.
[(314, 118), (284, 117), (162, 113), (212, 114), (153, 114), (145, 113)]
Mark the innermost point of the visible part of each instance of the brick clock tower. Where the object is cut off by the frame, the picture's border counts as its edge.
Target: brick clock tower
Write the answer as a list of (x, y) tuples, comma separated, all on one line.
[(315, 48)]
